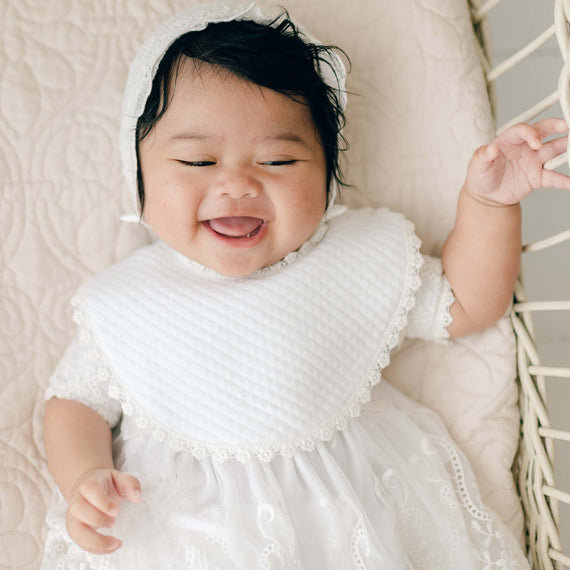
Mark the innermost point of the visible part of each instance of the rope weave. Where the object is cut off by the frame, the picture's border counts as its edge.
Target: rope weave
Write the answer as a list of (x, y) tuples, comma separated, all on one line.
[(533, 467)]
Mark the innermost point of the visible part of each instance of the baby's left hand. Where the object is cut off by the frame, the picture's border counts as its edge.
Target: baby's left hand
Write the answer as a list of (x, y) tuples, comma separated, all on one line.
[(511, 167)]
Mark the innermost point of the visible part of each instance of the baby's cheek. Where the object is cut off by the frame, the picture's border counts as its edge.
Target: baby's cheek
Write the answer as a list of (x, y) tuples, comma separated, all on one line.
[(315, 203), (311, 211)]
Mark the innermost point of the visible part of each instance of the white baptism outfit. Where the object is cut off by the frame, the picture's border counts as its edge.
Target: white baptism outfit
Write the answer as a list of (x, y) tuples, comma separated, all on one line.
[(247, 417), (252, 411)]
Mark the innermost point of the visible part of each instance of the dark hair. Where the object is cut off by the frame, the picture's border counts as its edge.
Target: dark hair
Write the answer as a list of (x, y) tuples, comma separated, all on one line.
[(275, 56)]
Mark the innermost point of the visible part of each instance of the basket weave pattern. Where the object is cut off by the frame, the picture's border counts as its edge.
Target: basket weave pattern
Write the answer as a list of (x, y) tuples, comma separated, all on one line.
[(534, 467)]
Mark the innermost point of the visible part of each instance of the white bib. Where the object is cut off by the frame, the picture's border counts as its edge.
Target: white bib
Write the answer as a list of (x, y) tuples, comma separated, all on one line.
[(260, 365)]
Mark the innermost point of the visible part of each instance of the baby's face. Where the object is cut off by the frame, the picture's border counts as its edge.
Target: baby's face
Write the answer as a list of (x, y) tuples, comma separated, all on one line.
[(234, 174)]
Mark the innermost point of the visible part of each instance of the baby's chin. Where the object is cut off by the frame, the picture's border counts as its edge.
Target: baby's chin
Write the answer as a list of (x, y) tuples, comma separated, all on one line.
[(236, 262), (237, 269), (235, 272), (235, 266), (239, 263)]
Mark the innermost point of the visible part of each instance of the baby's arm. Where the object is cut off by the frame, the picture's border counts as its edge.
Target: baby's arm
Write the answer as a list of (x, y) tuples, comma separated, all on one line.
[(481, 256), (78, 451)]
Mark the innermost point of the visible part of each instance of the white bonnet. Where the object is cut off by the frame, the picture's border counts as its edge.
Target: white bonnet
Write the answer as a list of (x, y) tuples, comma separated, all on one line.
[(147, 60)]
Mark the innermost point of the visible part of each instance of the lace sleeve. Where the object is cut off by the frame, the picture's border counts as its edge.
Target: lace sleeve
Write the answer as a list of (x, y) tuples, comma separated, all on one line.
[(77, 377), (431, 314)]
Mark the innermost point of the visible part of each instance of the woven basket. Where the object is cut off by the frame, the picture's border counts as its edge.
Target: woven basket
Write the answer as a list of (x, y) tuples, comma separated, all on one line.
[(533, 467)]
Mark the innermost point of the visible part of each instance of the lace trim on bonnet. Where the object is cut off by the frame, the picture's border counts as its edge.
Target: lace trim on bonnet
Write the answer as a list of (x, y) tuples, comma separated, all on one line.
[(267, 450)]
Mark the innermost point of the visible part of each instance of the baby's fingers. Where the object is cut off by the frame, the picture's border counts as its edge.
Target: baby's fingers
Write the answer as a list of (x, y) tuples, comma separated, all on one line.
[(550, 126), (523, 133), (535, 133), (95, 491), (483, 157), (553, 179), (88, 539), (553, 148), (127, 486), (86, 513)]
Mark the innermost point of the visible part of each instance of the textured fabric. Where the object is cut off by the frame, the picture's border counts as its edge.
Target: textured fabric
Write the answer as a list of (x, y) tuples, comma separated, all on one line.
[(299, 367), (82, 373)]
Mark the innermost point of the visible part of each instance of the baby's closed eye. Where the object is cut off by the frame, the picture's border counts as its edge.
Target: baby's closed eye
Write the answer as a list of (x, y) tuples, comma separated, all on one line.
[(279, 162), (196, 162)]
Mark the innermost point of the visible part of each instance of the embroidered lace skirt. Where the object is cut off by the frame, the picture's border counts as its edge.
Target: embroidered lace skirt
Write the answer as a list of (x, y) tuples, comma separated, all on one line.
[(390, 492)]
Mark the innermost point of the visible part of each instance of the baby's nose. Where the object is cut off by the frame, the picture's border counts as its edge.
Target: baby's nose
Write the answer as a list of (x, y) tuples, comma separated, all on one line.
[(237, 185)]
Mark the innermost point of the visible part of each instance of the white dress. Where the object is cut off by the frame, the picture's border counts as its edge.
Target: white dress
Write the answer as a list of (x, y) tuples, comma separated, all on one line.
[(381, 487)]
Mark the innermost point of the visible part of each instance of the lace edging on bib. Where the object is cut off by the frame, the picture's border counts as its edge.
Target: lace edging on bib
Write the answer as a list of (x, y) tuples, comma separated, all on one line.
[(264, 451)]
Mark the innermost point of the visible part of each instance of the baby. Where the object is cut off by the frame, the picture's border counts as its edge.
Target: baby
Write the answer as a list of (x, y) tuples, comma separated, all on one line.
[(234, 356)]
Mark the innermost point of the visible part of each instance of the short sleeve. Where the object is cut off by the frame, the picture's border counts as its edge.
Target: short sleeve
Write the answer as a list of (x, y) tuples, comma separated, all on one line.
[(77, 377), (430, 316)]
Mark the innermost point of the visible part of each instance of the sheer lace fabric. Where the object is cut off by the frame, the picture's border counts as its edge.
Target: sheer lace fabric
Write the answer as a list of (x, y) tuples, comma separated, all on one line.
[(78, 377), (391, 491), (431, 315)]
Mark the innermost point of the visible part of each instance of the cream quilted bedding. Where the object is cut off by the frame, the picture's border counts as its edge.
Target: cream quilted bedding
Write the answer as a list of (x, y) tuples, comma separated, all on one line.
[(418, 110)]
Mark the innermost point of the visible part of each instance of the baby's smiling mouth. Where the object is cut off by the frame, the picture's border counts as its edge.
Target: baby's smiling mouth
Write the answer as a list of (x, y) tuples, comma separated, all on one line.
[(235, 227)]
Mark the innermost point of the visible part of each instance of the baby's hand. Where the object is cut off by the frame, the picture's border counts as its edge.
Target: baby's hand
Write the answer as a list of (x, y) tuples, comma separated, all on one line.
[(95, 500), (511, 167)]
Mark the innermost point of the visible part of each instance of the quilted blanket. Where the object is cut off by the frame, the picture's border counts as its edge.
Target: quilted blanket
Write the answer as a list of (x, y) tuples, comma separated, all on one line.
[(417, 109)]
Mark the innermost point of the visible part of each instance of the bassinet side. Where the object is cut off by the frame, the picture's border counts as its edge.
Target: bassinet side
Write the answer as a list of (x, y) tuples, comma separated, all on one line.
[(534, 464)]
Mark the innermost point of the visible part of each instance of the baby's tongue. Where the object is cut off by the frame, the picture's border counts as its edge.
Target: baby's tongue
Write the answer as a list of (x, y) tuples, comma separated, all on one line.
[(236, 226)]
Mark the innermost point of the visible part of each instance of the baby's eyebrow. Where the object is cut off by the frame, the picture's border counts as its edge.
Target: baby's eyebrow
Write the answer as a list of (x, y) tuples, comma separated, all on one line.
[(288, 137), (190, 136), (277, 137)]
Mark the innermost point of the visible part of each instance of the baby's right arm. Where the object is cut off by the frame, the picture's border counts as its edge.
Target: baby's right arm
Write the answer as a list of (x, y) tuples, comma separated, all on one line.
[(79, 456)]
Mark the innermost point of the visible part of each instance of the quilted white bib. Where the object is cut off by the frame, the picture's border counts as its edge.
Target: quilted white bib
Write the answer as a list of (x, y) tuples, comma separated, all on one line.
[(258, 365)]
